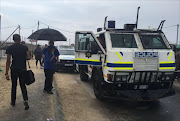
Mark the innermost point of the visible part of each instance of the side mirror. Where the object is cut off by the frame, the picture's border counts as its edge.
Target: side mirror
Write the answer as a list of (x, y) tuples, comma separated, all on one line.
[(94, 48)]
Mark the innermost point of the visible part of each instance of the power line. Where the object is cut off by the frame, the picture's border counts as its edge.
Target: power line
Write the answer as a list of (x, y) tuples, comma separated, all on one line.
[(170, 26), (57, 28), (29, 27), (8, 27)]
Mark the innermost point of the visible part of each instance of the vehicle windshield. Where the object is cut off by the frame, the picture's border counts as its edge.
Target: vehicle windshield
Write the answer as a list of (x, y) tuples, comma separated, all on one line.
[(123, 41), (152, 41), (67, 52)]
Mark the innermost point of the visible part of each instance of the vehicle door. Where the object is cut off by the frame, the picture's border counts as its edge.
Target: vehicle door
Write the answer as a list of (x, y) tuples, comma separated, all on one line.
[(88, 49)]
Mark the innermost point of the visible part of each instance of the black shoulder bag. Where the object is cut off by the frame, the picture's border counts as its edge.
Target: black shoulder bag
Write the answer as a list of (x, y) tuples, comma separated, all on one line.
[(29, 76)]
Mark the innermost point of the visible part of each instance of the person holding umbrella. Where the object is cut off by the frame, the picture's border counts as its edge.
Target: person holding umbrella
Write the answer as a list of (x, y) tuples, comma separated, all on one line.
[(49, 69), (56, 52)]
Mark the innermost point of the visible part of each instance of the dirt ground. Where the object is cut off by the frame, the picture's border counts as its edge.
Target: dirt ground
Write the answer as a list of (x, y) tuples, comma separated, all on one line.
[(77, 103), (41, 104), (5, 86), (80, 104)]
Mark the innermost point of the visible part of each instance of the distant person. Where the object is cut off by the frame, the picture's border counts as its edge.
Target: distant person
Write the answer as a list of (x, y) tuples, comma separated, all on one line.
[(19, 53), (23, 43), (38, 55), (32, 54), (49, 69)]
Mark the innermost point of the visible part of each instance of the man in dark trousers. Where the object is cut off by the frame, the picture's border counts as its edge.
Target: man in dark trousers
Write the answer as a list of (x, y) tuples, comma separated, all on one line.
[(55, 53), (19, 54), (38, 55)]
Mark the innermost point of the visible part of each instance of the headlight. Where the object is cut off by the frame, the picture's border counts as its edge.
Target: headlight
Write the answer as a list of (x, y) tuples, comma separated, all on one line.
[(165, 76), (110, 77), (122, 78)]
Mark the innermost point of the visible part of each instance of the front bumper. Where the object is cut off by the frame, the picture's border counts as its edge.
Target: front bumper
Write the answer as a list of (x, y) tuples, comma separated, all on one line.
[(66, 64), (127, 92)]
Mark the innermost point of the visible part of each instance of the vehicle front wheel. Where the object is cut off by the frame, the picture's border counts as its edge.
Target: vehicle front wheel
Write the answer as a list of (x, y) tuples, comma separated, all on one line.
[(83, 75), (98, 86)]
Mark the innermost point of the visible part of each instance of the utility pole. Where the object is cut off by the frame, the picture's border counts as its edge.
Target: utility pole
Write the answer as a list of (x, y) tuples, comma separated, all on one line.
[(38, 26), (37, 29), (177, 34), (10, 35), (31, 43), (19, 29)]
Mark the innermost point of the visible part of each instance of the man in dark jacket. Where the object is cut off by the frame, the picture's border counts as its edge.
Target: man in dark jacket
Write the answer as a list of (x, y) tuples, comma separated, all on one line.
[(38, 55), (19, 54)]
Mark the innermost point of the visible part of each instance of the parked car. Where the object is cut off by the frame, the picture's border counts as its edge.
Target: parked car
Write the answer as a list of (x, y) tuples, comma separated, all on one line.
[(66, 59)]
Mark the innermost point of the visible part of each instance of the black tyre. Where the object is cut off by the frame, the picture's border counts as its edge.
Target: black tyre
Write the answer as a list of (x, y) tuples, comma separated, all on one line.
[(56, 69), (83, 75), (97, 78)]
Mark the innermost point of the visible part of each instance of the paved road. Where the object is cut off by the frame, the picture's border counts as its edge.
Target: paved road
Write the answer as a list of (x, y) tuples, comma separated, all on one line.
[(166, 109)]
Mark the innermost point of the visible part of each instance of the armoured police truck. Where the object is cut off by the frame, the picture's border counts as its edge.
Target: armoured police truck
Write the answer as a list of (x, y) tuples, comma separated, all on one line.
[(128, 63)]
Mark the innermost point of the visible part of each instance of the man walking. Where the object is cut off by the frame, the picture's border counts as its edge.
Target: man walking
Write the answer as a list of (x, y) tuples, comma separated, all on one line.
[(19, 54), (38, 55)]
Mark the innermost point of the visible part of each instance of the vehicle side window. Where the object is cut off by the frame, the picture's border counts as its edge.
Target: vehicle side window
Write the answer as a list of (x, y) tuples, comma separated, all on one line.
[(101, 39), (123, 41), (86, 42), (152, 42)]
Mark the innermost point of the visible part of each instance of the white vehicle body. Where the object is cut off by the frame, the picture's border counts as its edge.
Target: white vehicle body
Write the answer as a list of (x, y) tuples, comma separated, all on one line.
[(140, 72), (66, 58)]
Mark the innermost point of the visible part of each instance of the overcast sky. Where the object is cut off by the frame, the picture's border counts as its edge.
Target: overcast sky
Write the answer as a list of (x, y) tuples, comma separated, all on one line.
[(71, 15)]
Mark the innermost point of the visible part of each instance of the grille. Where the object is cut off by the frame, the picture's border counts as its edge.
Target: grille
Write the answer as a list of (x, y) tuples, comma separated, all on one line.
[(148, 77)]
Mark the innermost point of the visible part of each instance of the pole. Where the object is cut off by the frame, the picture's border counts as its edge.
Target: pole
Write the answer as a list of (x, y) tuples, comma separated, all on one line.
[(37, 29), (10, 35), (31, 43), (19, 30), (177, 34), (38, 26), (137, 17)]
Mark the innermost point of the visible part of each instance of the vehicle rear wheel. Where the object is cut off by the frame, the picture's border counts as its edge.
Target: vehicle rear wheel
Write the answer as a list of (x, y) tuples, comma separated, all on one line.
[(98, 86), (83, 75)]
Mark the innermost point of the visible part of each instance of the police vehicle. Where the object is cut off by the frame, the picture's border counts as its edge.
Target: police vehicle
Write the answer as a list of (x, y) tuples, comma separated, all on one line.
[(128, 63)]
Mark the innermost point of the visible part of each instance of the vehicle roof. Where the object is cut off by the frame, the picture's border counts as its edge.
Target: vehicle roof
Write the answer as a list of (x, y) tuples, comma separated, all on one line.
[(131, 31)]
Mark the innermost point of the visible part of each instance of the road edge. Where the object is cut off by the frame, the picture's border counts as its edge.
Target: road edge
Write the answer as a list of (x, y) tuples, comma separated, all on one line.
[(58, 110)]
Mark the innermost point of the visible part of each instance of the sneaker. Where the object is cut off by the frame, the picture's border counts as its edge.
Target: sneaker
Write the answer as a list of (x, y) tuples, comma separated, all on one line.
[(53, 88), (50, 92), (12, 104), (36, 67), (41, 67), (26, 105)]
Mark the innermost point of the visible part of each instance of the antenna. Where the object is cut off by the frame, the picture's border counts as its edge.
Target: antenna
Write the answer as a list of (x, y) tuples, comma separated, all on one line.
[(105, 21), (161, 25), (137, 17)]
